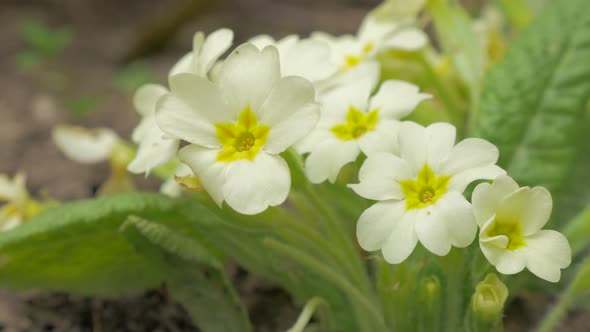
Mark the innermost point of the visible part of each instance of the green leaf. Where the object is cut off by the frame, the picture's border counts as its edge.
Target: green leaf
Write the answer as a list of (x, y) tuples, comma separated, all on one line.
[(194, 277), (78, 247), (533, 104)]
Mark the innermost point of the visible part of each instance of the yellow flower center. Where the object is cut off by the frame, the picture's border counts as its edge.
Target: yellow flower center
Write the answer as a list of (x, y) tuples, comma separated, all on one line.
[(510, 229), (241, 140), (357, 124), (425, 190), (353, 60)]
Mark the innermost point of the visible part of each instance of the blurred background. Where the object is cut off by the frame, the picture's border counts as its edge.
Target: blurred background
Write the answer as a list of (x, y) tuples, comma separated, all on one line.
[(79, 62)]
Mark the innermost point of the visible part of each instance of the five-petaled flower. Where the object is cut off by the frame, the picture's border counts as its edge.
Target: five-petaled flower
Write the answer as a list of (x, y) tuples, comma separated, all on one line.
[(420, 192), (352, 121), (511, 235), (238, 125)]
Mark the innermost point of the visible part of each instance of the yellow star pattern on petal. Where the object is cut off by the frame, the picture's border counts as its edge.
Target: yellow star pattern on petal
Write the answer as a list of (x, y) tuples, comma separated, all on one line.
[(241, 140), (425, 190)]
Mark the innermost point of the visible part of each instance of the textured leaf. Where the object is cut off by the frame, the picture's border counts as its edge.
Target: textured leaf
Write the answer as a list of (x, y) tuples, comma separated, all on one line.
[(77, 247), (194, 277), (534, 100)]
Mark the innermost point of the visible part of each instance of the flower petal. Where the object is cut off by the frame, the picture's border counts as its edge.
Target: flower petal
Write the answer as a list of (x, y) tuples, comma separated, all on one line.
[(252, 186), (457, 214), (409, 39), (184, 65), (402, 240), (375, 224), (290, 112), (214, 46), (155, 149), (548, 252), (486, 197), (396, 99), (469, 153), (413, 144), (85, 145), (531, 207), (380, 175), (202, 96), (383, 139), (309, 59), (146, 97), (179, 120), (507, 261), (461, 180), (325, 161), (211, 173), (441, 139), (432, 231), (248, 75)]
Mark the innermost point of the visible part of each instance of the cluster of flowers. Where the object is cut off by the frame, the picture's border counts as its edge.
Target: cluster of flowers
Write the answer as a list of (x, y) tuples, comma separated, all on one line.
[(316, 96)]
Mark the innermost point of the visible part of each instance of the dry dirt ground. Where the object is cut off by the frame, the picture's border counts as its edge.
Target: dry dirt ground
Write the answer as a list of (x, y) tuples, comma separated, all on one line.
[(106, 33)]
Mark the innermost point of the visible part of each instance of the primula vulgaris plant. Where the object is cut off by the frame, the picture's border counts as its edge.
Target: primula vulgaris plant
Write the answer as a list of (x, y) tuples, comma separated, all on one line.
[(356, 172)]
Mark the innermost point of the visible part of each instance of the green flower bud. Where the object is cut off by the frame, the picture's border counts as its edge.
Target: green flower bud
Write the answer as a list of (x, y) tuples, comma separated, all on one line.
[(429, 290), (488, 301)]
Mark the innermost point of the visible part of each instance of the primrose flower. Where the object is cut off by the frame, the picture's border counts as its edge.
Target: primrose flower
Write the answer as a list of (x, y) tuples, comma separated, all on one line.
[(420, 192), (83, 145), (155, 147), (14, 193), (238, 126), (352, 122), (205, 53), (510, 220), (308, 58), (374, 36)]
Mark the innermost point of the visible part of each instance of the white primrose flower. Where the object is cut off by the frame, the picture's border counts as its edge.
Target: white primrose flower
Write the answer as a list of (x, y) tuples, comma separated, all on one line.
[(352, 122), (374, 36), (205, 53), (420, 192), (238, 126), (308, 58), (84, 145), (511, 235), (155, 147), (14, 194)]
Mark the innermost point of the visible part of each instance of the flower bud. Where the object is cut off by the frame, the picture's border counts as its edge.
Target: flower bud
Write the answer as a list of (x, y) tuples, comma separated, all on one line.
[(488, 301), (429, 290)]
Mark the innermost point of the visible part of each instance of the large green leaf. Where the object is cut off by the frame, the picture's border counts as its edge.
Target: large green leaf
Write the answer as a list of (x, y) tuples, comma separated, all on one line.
[(533, 105), (78, 247)]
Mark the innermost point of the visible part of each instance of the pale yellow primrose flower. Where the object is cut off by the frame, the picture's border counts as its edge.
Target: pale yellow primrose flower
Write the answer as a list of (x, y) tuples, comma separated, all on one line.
[(238, 125), (14, 194), (155, 148), (352, 122), (84, 145), (397, 10), (205, 53), (373, 37), (511, 235), (420, 192), (308, 58)]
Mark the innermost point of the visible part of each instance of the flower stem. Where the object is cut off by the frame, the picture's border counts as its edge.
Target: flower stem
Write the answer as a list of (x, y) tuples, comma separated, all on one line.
[(371, 313), (306, 314)]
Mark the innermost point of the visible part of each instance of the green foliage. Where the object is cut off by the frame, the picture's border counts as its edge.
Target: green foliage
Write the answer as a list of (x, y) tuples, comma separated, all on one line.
[(133, 76), (107, 245), (533, 106), (43, 43)]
